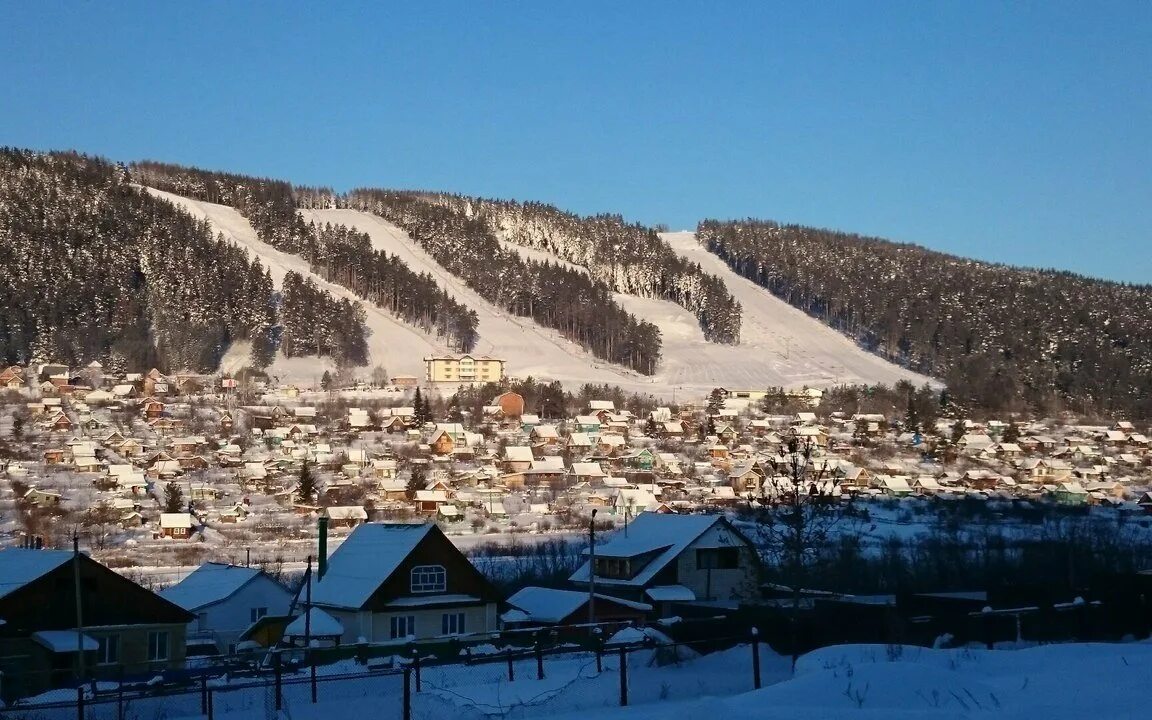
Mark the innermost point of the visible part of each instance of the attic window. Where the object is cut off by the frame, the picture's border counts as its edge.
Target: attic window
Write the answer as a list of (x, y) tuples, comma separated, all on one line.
[(429, 578)]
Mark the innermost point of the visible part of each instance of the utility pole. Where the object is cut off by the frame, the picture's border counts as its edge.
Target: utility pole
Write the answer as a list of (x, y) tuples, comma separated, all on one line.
[(79, 608), (592, 569)]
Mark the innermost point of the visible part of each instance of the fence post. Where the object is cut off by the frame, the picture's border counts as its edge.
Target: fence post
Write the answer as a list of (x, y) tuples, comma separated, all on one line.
[(203, 694), (120, 696), (598, 640), (211, 708), (755, 658), (407, 698), (279, 683), (511, 666), (623, 676), (311, 672), (416, 666), (539, 662), (80, 702)]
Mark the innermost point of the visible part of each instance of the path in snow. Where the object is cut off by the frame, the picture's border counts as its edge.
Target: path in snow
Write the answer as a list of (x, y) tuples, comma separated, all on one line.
[(529, 348), (399, 347)]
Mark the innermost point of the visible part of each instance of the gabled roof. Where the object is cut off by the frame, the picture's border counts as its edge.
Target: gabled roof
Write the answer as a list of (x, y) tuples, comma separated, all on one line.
[(364, 561), (20, 567), (650, 532), (209, 584)]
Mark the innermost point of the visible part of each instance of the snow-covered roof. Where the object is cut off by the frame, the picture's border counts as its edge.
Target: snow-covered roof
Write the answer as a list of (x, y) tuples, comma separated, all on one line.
[(19, 567), (651, 532), (209, 584), (364, 561), (547, 605), (589, 469), (346, 512), (176, 520), (64, 641), (318, 624), (517, 453)]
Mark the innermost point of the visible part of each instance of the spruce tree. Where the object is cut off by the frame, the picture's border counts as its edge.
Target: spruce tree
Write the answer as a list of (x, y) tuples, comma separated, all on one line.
[(173, 498), (306, 487)]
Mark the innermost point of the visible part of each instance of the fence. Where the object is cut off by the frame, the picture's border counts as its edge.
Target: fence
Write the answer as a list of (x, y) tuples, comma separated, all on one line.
[(479, 682)]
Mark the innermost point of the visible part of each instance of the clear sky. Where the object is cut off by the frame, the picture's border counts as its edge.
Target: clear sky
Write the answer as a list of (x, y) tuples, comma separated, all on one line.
[(1012, 131)]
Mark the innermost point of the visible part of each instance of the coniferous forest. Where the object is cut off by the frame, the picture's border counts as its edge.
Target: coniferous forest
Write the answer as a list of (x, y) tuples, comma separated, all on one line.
[(580, 308), (999, 336), (92, 268), (631, 258)]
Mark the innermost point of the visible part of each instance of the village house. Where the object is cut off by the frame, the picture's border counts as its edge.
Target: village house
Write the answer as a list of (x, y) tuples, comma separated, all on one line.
[(395, 583), (225, 600), (667, 559), (126, 627)]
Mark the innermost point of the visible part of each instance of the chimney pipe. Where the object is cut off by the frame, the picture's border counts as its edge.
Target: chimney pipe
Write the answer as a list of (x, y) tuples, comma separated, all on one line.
[(322, 554)]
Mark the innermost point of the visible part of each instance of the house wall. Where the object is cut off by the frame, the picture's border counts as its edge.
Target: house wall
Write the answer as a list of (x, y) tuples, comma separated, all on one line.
[(233, 615), (739, 584), (376, 627)]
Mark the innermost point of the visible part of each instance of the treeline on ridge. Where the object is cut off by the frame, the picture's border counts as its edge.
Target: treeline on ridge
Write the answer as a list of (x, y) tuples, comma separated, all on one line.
[(92, 268), (999, 336)]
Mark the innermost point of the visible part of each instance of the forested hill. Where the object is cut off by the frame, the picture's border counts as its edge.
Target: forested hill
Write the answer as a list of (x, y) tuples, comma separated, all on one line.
[(92, 268), (337, 253), (998, 336), (580, 307), (631, 258)]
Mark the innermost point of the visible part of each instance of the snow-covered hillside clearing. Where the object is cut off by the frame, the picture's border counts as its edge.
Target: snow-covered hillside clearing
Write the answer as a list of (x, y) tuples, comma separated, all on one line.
[(780, 346), (400, 348), (529, 348)]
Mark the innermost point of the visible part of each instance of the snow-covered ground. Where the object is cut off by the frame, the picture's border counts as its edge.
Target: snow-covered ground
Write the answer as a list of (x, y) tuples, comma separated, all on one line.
[(1057, 682)]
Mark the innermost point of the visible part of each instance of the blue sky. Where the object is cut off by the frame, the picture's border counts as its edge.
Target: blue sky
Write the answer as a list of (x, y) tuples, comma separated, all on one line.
[(1016, 131)]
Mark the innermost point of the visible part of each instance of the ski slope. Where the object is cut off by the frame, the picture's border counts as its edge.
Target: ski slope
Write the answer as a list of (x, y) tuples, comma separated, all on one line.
[(398, 347), (529, 348), (779, 345)]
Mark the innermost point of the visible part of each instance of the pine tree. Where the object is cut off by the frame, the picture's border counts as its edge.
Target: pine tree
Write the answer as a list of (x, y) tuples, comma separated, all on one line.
[(173, 498), (326, 381), (421, 410), (306, 486), (1011, 433)]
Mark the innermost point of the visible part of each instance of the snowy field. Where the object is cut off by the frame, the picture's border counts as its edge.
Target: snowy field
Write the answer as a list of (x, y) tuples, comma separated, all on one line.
[(1056, 682)]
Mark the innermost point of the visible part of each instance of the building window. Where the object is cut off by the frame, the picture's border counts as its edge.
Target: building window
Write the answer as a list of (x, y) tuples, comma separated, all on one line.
[(615, 568), (403, 626), (108, 650), (256, 613), (718, 558), (452, 623), (429, 578), (158, 645)]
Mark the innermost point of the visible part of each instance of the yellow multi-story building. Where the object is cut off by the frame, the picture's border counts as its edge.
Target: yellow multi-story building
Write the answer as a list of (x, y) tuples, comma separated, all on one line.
[(463, 368)]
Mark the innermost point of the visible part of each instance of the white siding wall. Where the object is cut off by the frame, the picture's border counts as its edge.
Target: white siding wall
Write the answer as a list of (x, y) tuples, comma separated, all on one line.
[(739, 584), (232, 616)]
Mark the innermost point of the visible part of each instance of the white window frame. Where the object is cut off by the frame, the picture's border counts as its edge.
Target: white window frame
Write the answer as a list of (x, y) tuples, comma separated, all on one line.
[(108, 651), (452, 623), (426, 575), (158, 652), (402, 626)]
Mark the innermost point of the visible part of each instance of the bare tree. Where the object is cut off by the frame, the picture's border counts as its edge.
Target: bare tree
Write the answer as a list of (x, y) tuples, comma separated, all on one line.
[(800, 504)]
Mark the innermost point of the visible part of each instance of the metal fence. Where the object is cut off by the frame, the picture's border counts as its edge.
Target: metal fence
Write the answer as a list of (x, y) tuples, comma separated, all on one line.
[(477, 682)]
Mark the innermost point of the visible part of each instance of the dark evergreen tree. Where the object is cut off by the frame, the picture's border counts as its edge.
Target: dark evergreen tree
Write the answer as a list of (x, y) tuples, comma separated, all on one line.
[(173, 498), (306, 485), (416, 481)]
